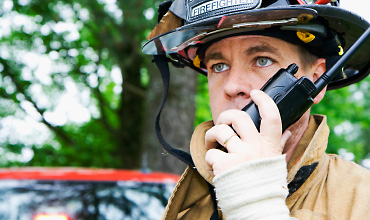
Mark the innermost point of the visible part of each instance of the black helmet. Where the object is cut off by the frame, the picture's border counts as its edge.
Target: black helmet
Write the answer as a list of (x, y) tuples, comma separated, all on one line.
[(320, 26)]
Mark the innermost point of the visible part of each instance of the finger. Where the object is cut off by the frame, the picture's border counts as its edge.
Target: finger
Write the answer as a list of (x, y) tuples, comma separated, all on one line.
[(218, 134), (271, 126), (233, 144), (240, 122), (209, 169), (213, 157)]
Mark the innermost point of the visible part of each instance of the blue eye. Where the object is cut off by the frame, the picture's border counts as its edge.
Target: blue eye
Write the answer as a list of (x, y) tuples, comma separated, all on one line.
[(220, 67), (263, 61)]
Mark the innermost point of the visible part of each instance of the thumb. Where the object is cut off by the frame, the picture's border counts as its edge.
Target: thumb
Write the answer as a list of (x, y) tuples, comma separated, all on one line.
[(285, 137)]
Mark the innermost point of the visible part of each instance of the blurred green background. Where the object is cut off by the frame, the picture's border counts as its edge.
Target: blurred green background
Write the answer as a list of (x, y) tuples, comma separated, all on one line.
[(77, 91)]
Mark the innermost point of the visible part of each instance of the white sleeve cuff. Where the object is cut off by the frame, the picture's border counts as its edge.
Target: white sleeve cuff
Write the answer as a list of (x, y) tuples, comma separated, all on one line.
[(254, 190)]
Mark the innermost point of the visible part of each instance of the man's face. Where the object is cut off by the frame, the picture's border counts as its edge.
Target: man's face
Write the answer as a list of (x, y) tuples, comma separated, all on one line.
[(239, 64)]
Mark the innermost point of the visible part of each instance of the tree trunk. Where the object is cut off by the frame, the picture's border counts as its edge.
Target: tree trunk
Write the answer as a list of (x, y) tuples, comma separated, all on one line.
[(132, 113), (177, 119)]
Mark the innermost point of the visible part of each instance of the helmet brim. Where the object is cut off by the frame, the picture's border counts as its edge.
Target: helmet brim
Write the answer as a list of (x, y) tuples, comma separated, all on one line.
[(347, 24), (175, 40), (351, 27)]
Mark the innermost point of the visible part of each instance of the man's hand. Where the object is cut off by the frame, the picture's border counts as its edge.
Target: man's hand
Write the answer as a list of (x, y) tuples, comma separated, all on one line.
[(248, 144)]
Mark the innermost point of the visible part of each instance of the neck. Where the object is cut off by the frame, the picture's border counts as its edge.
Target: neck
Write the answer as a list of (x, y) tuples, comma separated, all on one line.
[(297, 130)]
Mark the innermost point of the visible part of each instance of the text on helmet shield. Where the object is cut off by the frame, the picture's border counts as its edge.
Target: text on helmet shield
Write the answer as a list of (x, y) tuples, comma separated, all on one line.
[(221, 6)]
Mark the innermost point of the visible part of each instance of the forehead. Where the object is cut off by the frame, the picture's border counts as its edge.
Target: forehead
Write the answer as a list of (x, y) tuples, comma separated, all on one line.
[(249, 45)]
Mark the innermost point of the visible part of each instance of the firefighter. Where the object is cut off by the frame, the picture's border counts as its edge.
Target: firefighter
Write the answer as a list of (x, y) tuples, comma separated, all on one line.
[(271, 166)]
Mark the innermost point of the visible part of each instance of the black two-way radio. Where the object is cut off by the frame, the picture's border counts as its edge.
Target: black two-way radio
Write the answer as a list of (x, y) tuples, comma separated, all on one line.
[(294, 96)]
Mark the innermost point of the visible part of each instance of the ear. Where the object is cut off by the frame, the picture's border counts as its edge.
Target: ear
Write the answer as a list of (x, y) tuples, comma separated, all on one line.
[(319, 68)]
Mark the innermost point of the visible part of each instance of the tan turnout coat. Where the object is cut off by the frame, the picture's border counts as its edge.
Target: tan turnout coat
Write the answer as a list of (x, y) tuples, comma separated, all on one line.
[(337, 189)]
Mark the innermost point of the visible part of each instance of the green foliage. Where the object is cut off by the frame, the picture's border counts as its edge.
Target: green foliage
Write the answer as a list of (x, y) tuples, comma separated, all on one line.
[(348, 119), (56, 56), (93, 149), (203, 110)]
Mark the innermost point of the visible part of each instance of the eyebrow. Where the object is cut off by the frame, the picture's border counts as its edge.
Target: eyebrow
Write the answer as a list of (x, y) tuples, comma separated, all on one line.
[(263, 48), (250, 51), (214, 56)]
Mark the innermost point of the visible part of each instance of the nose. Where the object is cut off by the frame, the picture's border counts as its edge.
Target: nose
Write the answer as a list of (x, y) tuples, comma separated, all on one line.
[(238, 85)]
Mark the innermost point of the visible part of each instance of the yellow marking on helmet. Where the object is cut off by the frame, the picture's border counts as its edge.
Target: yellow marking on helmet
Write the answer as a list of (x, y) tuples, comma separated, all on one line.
[(341, 52), (305, 36), (304, 18), (196, 61)]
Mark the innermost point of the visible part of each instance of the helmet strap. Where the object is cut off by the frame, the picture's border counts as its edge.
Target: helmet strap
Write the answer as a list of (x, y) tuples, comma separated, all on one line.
[(162, 64)]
